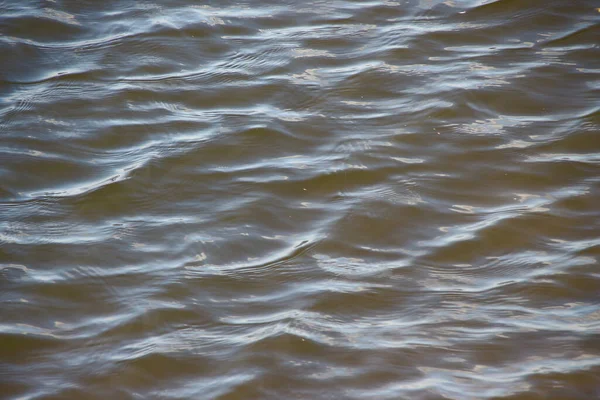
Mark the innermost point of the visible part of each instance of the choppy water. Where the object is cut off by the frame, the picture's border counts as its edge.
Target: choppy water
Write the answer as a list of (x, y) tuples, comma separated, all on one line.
[(312, 200)]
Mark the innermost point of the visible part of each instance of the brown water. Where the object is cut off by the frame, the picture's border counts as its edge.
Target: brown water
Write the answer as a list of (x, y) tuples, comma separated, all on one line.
[(313, 200)]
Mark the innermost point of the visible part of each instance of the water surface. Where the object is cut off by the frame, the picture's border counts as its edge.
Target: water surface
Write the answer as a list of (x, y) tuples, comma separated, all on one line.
[(314, 200)]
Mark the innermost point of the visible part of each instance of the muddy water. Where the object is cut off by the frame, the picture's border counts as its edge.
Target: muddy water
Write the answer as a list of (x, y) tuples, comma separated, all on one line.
[(313, 200)]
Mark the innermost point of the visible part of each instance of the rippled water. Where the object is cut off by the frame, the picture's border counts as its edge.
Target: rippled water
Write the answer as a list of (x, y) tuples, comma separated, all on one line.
[(312, 200)]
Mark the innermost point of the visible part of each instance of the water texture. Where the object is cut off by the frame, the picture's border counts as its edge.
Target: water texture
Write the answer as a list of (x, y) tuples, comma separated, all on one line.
[(300, 200)]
